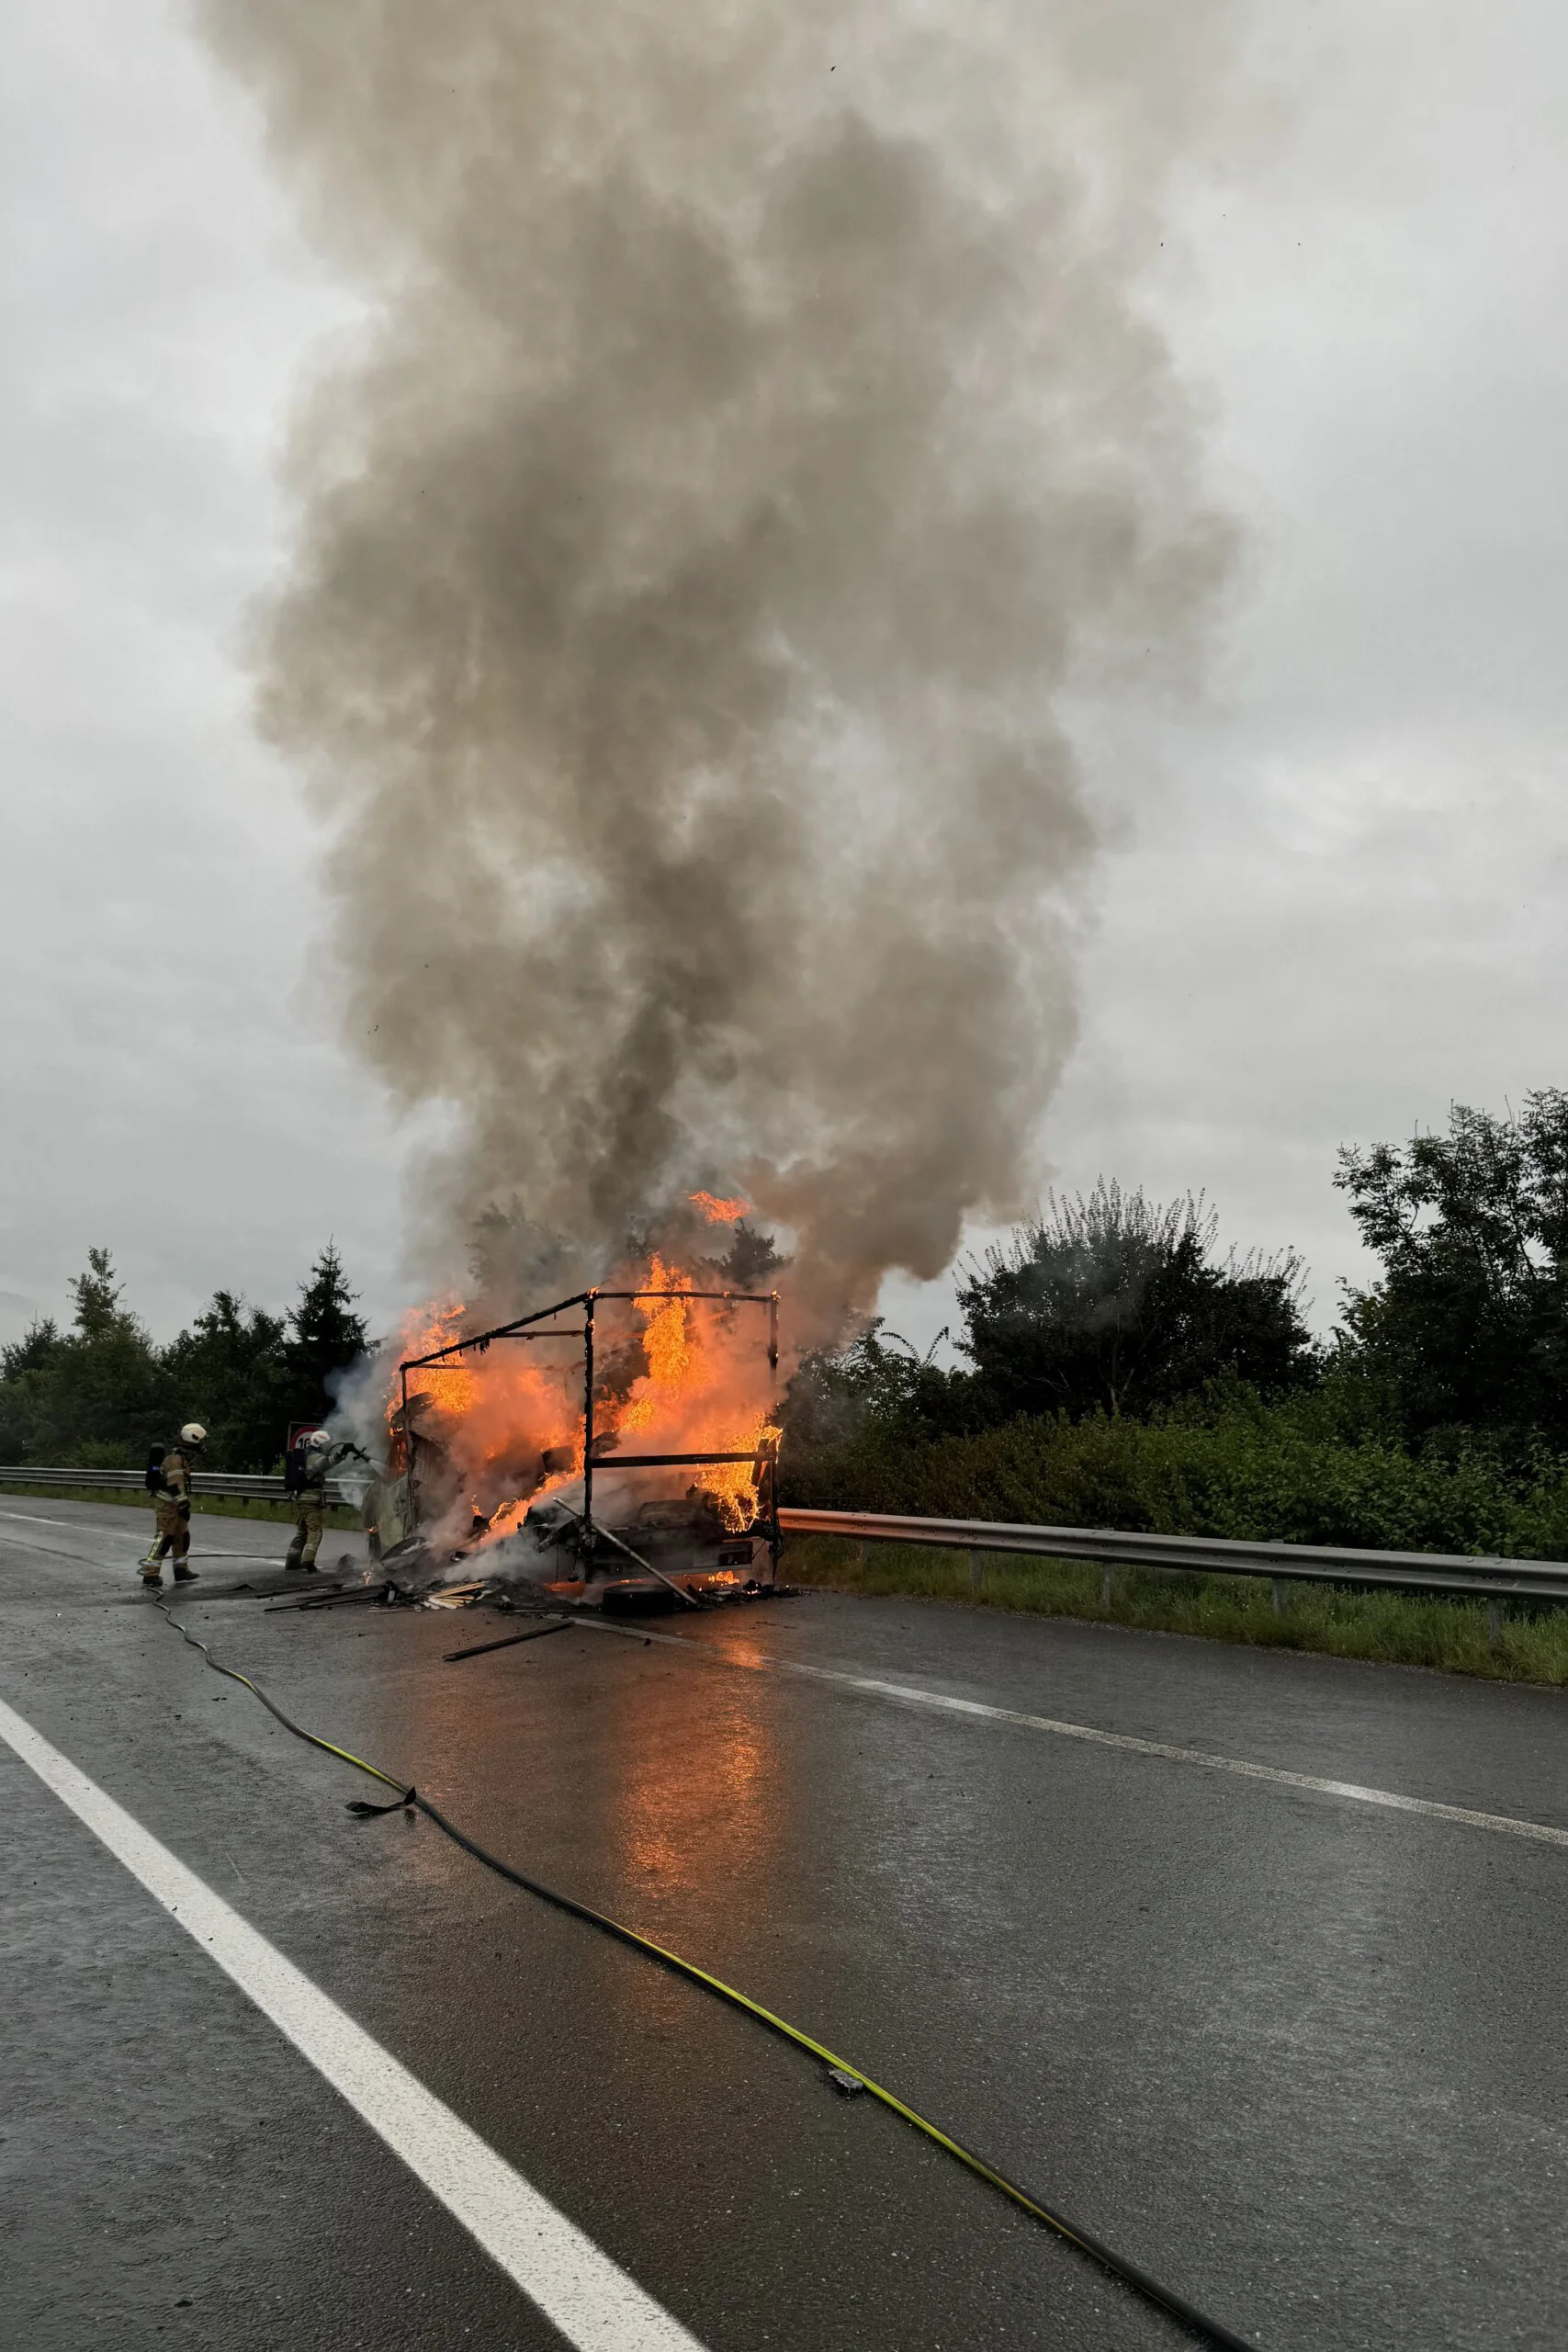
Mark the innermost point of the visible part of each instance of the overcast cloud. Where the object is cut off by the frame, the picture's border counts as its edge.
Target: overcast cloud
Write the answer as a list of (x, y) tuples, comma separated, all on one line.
[(1335, 901)]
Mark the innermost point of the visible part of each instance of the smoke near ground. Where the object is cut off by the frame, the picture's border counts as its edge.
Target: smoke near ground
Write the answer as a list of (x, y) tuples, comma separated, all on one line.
[(753, 439)]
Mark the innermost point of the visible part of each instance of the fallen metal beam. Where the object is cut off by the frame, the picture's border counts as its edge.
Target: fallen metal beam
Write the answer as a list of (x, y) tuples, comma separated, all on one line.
[(333, 1596), (508, 1641)]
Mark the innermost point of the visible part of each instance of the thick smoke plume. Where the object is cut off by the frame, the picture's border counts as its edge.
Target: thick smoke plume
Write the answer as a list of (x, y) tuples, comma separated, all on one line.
[(753, 441)]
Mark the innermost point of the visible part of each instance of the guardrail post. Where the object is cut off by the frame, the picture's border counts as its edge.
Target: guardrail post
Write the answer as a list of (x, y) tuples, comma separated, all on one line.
[(860, 1555), (1278, 1596), (1108, 1584), (974, 1572), (1494, 1622)]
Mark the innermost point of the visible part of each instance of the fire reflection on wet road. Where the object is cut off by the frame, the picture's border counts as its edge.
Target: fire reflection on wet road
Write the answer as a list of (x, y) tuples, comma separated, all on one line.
[(1295, 2055)]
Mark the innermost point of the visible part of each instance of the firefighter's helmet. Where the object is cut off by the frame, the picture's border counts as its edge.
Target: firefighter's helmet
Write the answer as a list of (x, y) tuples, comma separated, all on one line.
[(193, 1434), (317, 1441)]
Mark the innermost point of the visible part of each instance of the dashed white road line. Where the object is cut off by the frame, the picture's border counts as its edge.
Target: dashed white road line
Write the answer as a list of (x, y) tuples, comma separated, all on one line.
[(579, 2289), (1504, 1825)]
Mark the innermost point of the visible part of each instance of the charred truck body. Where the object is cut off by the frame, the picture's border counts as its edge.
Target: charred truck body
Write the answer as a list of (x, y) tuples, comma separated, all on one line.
[(599, 1536)]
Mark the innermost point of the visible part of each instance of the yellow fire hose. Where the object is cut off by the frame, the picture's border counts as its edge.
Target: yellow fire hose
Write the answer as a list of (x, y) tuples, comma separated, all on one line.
[(847, 2076)]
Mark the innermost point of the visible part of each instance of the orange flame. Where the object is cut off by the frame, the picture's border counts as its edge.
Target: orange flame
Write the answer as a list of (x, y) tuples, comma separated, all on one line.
[(450, 1385), (716, 1212), (693, 1394), (499, 1429)]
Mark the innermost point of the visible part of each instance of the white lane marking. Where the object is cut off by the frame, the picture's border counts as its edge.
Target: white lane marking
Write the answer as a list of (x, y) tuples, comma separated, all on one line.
[(589, 2298), (1504, 1824), (81, 1527)]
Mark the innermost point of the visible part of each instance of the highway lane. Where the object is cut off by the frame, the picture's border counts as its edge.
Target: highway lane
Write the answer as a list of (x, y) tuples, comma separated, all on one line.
[(1297, 2055)]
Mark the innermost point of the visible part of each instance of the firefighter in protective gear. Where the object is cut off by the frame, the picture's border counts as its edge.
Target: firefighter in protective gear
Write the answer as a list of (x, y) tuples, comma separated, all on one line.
[(309, 1461), (171, 1506)]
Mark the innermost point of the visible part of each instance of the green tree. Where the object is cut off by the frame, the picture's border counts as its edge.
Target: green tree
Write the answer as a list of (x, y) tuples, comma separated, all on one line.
[(33, 1351), (100, 1314), (231, 1371), (325, 1336), (751, 1262), (1469, 1325), (97, 1393), (878, 1383), (1114, 1304), (101, 1392), (23, 1367)]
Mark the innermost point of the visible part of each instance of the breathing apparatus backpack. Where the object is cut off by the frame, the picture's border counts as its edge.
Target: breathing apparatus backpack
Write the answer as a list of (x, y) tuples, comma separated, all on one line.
[(153, 1476), (295, 1477)]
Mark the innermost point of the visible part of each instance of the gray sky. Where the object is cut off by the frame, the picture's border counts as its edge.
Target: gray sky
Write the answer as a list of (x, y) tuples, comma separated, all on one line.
[(1334, 902)]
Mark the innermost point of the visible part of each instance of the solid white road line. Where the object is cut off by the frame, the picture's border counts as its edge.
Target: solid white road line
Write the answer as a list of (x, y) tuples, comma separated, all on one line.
[(1503, 1824), (585, 2295)]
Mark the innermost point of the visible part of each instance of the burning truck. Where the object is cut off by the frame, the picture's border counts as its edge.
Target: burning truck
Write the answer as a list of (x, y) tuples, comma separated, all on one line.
[(618, 1448)]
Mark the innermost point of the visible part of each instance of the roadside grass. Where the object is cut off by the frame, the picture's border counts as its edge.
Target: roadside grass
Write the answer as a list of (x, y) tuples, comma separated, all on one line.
[(207, 1506), (1447, 1633)]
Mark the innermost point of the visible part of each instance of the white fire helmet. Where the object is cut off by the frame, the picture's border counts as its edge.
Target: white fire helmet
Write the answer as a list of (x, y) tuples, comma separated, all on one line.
[(317, 1441), (193, 1434)]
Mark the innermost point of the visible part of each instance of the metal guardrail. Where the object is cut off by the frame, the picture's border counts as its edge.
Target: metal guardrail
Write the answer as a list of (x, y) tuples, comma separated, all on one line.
[(238, 1486), (1114, 1547), (1204, 1554)]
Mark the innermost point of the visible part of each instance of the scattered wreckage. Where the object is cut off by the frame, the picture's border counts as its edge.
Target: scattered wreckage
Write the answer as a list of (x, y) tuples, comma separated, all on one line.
[(598, 1539)]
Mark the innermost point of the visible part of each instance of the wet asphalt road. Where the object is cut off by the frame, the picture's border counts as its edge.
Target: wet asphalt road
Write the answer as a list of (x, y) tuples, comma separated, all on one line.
[(1300, 2057)]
